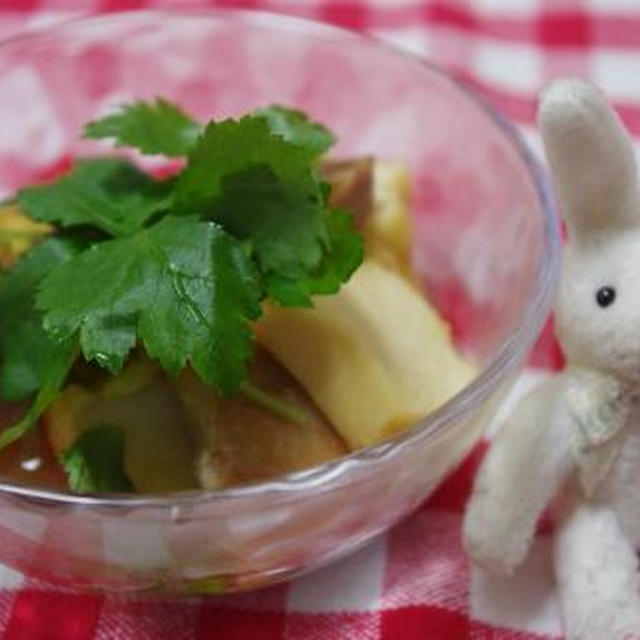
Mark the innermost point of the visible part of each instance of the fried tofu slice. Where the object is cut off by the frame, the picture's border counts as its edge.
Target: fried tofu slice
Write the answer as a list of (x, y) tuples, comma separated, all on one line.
[(240, 442), (388, 230), (375, 358), (351, 185)]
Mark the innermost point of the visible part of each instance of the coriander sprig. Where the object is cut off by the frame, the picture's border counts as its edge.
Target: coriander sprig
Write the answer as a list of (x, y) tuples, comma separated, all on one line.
[(181, 266)]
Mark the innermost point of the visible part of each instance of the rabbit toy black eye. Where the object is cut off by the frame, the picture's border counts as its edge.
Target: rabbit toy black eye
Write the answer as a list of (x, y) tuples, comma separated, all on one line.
[(605, 296)]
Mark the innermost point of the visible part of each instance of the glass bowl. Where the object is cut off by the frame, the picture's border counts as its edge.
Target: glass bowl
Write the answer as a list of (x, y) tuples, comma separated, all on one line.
[(485, 245)]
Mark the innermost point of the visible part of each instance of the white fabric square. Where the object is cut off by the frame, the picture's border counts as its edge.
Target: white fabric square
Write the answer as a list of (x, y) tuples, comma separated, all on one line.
[(526, 601), (31, 526), (134, 545), (509, 66), (50, 18), (411, 39), (524, 8), (10, 578), (352, 585), (617, 73), (609, 6)]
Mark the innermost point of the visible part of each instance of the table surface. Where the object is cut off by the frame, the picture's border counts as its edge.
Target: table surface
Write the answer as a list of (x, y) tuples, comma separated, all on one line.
[(414, 583)]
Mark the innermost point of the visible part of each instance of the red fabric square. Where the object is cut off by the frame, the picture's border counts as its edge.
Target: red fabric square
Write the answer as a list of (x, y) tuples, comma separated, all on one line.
[(546, 352), (122, 5), (564, 29), (352, 15), (50, 615), (453, 493), (449, 14), (423, 623), (231, 624), (21, 5), (235, 4), (334, 626), (148, 619)]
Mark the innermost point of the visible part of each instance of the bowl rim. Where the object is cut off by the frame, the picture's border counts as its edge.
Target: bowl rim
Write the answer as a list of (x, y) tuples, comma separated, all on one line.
[(325, 476)]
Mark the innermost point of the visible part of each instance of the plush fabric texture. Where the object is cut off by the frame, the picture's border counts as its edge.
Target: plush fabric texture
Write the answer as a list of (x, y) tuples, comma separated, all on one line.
[(414, 583), (566, 439)]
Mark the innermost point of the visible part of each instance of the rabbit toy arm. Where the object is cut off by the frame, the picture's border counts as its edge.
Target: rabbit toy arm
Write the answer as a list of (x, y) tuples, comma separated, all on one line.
[(525, 466)]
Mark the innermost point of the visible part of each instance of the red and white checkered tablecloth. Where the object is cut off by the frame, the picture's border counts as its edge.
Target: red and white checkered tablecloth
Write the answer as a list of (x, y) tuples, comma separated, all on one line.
[(414, 583)]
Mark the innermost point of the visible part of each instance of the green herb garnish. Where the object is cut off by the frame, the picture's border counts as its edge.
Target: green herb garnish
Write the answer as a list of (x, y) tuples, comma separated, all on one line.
[(109, 194), (183, 287), (179, 266), (152, 127), (94, 463)]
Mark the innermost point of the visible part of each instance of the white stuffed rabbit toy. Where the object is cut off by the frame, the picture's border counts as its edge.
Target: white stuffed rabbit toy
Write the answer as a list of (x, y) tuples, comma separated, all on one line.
[(574, 442)]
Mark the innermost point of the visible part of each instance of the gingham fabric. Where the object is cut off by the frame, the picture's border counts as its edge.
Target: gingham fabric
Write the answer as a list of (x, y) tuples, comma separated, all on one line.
[(414, 583)]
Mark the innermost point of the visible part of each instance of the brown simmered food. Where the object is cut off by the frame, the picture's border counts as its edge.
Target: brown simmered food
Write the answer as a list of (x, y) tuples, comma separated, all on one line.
[(359, 366)]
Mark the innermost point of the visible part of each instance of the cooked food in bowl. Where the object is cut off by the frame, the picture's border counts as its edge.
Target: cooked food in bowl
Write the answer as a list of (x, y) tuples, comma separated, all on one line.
[(250, 312)]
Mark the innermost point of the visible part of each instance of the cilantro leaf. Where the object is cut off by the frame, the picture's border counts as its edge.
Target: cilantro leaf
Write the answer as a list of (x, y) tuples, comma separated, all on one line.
[(53, 379), (108, 193), (261, 189), (184, 287), (95, 462), (341, 260), (32, 360), (294, 126), (29, 353), (158, 127)]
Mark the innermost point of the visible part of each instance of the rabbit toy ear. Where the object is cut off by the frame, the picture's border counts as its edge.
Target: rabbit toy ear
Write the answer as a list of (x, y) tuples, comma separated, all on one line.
[(591, 158)]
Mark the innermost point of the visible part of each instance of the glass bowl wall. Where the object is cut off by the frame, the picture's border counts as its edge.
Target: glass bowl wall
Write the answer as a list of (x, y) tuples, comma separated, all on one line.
[(485, 245)]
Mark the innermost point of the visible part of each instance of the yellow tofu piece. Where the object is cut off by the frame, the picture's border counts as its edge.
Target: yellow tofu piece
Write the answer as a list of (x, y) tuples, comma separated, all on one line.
[(18, 233), (387, 230), (375, 357)]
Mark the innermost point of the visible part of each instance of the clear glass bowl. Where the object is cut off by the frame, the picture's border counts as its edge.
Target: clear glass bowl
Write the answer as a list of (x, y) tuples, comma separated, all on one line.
[(486, 246)]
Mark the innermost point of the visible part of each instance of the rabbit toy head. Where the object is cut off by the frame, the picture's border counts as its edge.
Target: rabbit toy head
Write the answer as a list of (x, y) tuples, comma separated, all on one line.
[(595, 175)]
